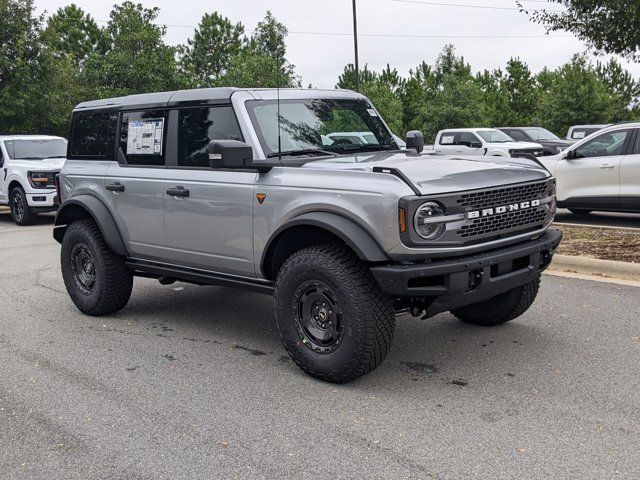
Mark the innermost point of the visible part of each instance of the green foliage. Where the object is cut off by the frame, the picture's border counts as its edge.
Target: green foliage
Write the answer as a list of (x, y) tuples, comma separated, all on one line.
[(137, 59), (73, 33), (443, 96), (46, 69), (576, 96), (206, 57), (609, 26), (447, 95), (34, 92), (381, 88)]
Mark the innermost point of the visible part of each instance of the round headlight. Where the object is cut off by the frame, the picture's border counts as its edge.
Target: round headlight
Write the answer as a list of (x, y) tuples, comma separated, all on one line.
[(427, 220)]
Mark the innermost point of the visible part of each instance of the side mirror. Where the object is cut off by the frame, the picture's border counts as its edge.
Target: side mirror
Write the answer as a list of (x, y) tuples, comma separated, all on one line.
[(475, 144), (571, 154), (229, 154), (415, 141)]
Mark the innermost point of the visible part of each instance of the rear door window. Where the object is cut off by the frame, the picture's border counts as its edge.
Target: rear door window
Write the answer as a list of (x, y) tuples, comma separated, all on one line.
[(466, 139), (143, 138), (449, 138)]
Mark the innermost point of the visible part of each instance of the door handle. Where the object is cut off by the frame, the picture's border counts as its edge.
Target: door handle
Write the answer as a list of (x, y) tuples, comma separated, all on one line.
[(115, 187), (178, 192), (607, 166)]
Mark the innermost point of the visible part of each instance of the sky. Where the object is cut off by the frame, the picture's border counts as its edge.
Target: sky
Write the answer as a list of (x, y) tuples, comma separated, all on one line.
[(401, 33)]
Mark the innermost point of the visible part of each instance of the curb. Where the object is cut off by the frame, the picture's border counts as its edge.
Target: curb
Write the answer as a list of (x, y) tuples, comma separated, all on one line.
[(601, 227), (596, 267)]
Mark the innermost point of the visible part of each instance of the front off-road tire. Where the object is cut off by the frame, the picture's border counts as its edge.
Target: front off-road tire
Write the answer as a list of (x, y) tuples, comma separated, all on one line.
[(500, 309), (98, 281), (20, 212), (333, 319)]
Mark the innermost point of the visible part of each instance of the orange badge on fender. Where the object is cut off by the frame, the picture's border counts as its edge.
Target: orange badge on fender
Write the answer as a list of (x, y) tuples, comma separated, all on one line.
[(261, 197)]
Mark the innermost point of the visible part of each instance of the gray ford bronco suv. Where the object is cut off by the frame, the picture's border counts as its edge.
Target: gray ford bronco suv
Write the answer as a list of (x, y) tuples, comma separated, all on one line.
[(257, 189)]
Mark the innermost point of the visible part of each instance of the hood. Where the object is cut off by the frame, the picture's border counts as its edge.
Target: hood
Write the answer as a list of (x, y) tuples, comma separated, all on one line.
[(556, 143), (516, 145), (441, 174), (46, 165)]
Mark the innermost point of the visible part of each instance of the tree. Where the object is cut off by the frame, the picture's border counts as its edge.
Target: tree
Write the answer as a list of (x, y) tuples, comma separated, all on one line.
[(624, 90), (611, 26), (137, 59), (262, 61), (206, 57), (72, 32), (27, 71), (382, 89), (449, 96), (576, 95)]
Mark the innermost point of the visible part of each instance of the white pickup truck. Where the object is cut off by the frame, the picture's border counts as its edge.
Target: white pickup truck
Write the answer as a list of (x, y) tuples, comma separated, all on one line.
[(482, 142)]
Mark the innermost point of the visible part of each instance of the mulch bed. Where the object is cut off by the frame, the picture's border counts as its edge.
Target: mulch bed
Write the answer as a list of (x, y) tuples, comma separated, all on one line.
[(602, 243)]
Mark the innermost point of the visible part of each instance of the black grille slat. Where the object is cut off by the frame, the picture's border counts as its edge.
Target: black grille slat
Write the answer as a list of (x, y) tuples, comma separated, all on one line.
[(503, 222), (503, 196)]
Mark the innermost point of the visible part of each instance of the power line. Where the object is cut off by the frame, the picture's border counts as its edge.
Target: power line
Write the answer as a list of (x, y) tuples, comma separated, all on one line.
[(462, 5), (391, 35)]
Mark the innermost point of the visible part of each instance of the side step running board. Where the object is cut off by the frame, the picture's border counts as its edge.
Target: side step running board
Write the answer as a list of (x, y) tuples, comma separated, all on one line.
[(144, 268)]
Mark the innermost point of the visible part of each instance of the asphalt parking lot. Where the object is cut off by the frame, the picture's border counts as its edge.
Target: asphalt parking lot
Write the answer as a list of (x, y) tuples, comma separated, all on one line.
[(191, 382)]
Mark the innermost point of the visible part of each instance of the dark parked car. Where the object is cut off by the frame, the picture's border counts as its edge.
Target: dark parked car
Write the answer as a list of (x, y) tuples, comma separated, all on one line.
[(551, 143)]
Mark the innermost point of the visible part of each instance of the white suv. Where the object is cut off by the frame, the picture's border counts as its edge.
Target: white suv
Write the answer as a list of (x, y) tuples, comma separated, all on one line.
[(482, 141), (600, 172), (28, 167)]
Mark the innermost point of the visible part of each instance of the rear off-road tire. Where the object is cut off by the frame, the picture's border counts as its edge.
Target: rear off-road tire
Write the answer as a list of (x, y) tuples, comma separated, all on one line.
[(97, 280), (502, 308), (333, 319)]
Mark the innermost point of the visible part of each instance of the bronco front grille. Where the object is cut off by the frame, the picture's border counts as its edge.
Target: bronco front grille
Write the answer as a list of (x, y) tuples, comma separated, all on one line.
[(504, 196), (512, 221)]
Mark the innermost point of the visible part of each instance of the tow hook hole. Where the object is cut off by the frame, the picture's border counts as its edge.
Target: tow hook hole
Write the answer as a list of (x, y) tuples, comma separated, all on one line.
[(475, 279)]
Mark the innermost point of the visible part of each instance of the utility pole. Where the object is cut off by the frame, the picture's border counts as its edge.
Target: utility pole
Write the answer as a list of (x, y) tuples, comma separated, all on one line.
[(355, 45)]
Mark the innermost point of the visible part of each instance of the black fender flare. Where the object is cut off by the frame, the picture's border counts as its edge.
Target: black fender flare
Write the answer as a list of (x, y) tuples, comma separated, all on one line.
[(98, 211), (352, 234)]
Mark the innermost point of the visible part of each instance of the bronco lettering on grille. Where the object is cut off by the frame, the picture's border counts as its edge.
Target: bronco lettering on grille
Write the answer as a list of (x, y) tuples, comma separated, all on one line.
[(487, 212)]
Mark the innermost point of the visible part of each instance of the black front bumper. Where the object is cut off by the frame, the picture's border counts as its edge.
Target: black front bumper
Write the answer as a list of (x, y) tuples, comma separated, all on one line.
[(460, 281)]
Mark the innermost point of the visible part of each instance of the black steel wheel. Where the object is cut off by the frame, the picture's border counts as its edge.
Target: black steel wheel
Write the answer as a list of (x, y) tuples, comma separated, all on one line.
[(83, 268), (319, 316)]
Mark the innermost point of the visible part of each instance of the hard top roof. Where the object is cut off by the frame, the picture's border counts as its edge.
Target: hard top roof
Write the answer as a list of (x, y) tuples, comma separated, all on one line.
[(25, 136), (200, 96)]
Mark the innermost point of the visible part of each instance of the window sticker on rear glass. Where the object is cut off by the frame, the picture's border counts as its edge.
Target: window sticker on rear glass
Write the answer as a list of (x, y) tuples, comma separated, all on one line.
[(145, 137), (578, 135), (447, 139), (372, 112)]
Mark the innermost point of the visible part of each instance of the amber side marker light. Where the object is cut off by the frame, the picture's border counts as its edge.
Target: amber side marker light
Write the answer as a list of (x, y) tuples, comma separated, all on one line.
[(261, 197), (402, 217)]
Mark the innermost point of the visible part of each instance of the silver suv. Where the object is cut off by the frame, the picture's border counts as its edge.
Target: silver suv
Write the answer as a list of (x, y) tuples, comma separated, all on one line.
[(257, 189)]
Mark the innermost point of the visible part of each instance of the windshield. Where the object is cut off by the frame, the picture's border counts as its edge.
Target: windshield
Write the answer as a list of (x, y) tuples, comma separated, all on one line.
[(495, 136), (32, 149), (541, 134), (331, 125)]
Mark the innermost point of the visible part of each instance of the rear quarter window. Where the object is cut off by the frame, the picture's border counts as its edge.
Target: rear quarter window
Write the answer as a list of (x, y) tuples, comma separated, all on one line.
[(93, 136)]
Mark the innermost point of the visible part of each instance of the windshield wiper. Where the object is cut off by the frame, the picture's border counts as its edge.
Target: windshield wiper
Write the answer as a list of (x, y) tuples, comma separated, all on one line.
[(367, 148), (300, 152)]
